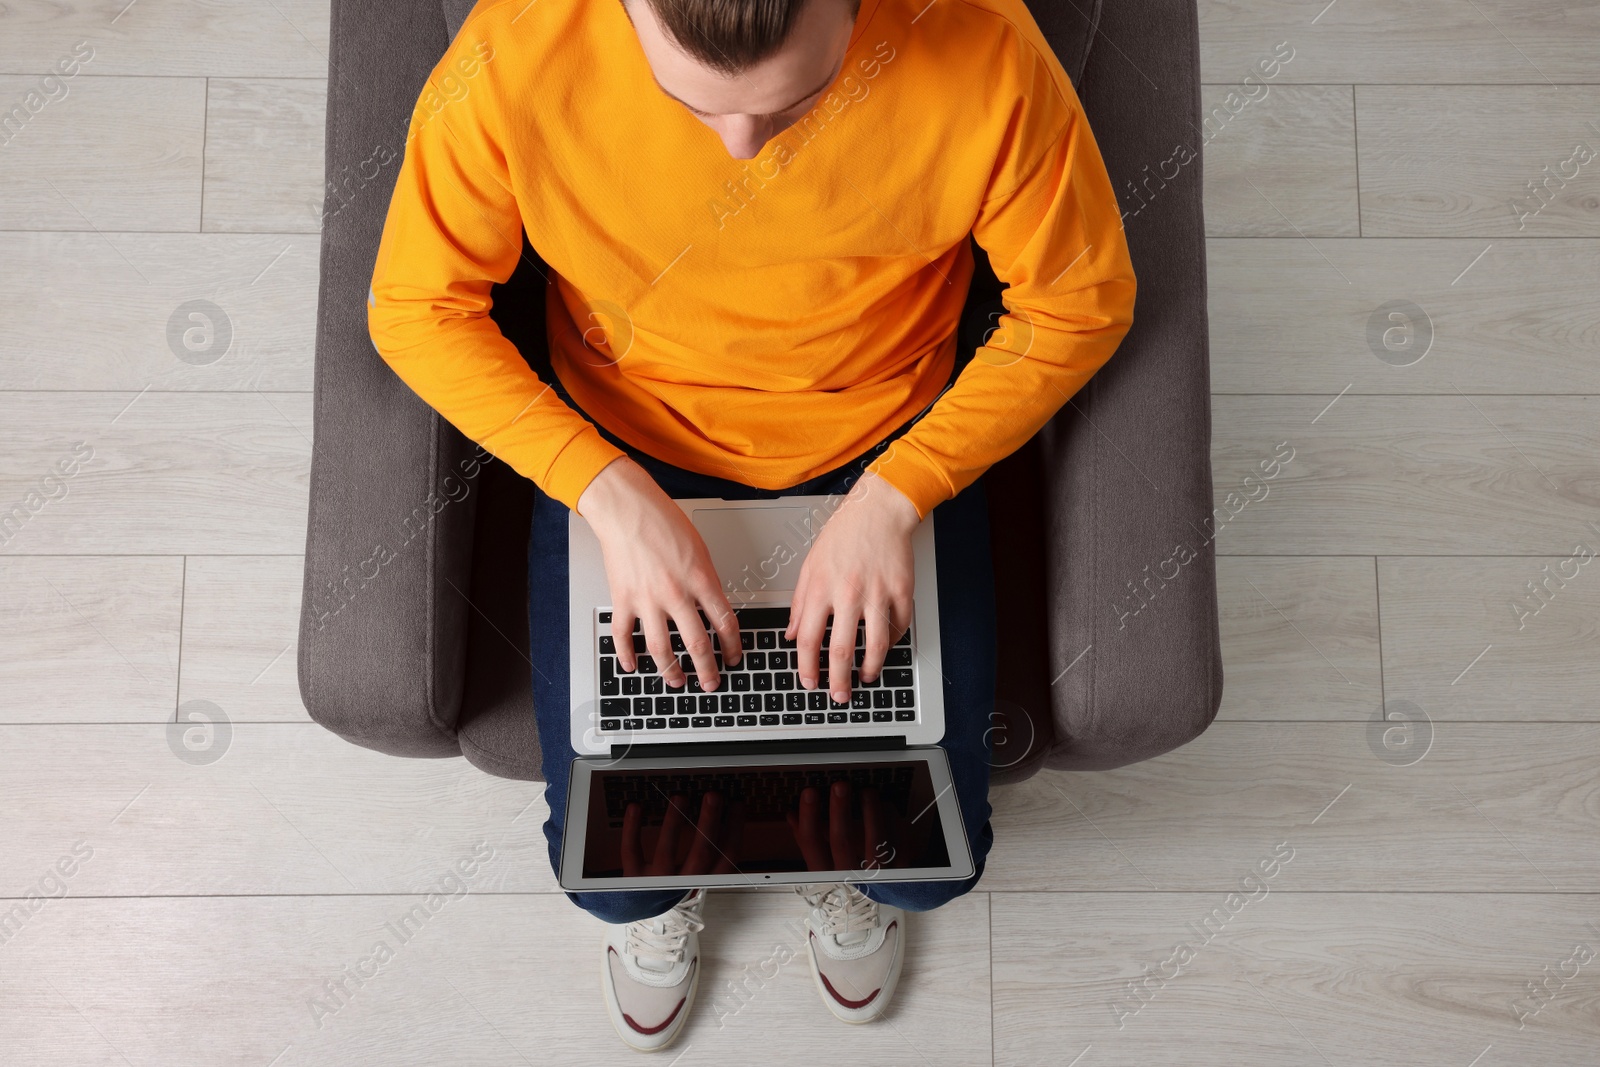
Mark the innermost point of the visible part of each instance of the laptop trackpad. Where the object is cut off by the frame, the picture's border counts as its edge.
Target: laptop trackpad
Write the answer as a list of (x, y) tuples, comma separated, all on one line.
[(758, 548)]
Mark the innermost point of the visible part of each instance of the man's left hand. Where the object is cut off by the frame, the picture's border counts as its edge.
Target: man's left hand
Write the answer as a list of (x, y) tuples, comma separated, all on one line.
[(859, 567)]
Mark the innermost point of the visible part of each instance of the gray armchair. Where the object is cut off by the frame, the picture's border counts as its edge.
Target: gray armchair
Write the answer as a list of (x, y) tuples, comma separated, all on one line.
[(414, 619)]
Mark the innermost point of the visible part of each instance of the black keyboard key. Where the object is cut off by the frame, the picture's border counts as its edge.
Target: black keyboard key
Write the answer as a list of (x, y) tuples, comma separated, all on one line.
[(607, 645), (723, 721), (787, 642), (860, 700), (642, 706), (747, 720), (779, 661), (883, 715), (701, 722), (686, 705), (741, 683), (860, 716), (605, 616), (882, 698), (686, 661), (773, 702), (747, 639), (633, 724), (677, 642), (692, 682), (665, 705), (872, 684), (814, 717), (762, 682), (791, 720), (783, 680), (837, 705), (905, 698), (708, 704), (743, 662), (763, 618), (897, 678), (905, 640), (836, 716), (730, 704), (647, 664), (757, 661), (897, 657), (816, 700), (640, 644), (769, 720), (655, 724), (672, 624), (610, 726), (614, 706), (752, 702), (905, 714), (766, 639), (632, 685), (678, 723), (794, 701)]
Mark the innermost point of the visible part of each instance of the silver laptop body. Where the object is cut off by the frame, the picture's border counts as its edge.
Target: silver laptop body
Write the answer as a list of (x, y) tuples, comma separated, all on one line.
[(757, 547)]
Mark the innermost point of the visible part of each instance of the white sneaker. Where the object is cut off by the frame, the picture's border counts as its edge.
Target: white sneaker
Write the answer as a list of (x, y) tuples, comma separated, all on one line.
[(856, 947), (649, 972)]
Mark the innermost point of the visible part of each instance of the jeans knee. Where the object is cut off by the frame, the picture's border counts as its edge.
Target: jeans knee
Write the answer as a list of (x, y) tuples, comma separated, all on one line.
[(922, 896), (626, 906)]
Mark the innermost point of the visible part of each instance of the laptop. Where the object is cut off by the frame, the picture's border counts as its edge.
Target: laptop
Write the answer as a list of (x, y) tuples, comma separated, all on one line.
[(755, 761)]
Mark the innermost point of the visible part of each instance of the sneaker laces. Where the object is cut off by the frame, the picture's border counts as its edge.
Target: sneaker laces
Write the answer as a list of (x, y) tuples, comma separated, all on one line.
[(658, 944), (845, 912)]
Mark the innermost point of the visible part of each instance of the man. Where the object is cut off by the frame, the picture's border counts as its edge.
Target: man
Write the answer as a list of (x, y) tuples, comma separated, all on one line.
[(757, 215)]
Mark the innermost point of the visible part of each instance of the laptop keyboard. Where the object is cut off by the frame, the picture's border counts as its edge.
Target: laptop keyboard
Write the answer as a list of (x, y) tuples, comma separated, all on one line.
[(761, 692)]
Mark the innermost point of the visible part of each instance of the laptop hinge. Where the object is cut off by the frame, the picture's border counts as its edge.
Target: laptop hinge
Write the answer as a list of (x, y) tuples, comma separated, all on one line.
[(757, 747)]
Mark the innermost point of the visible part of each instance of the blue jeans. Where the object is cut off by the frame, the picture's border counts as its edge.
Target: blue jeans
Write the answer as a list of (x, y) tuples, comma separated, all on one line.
[(966, 633)]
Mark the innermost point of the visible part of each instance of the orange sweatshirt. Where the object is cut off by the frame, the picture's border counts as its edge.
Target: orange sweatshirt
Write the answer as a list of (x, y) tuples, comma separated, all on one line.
[(760, 320)]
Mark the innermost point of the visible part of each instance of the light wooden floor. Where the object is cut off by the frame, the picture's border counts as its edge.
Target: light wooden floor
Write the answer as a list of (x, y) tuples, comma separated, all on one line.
[(209, 903)]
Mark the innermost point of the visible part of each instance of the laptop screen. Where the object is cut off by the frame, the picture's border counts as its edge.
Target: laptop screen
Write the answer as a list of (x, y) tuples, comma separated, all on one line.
[(765, 818)]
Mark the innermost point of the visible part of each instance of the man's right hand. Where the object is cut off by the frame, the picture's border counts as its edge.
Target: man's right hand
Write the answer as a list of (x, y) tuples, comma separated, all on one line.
[(658, 568)]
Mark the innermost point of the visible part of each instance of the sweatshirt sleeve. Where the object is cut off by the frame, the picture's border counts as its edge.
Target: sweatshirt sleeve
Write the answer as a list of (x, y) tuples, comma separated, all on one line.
[(452, 231), (1053, 231)]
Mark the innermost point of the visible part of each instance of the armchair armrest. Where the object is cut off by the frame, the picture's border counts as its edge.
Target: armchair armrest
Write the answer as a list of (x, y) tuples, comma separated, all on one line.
[(1135, 655), (393, 487)]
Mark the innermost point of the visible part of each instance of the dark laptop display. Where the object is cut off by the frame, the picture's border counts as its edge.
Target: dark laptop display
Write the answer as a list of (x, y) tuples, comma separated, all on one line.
[(762, 820)]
